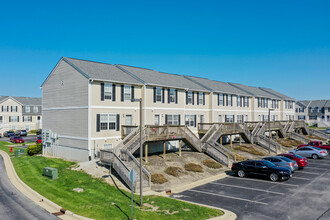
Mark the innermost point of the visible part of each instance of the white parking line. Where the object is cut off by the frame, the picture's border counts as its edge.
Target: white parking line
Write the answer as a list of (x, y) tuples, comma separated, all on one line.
[(316, 168), (230, 197), (264, 181), (302, 178), (243, 187), (308, 172)]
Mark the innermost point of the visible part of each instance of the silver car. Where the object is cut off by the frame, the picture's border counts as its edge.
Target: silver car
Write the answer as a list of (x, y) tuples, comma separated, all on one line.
[(310, 151), (283, 162)]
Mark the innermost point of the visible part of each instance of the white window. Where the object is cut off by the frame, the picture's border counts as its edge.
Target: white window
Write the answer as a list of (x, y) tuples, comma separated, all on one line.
[(201, 119), (265, 117), (266, 103), (27, 118), (246, 118), (27, 128), (107, 146), (4, 108), (13, 118), (189, 97), (27, 109), (200, 98), (159, 94), (220, 101), (259, 103), (173, 119), (13, 127), (229, 100), (108, 91), (220, 118), (0, 119), (127, 93), (14, 108), (35, 109), (157, 121), (190, 120), (229, 118), (172, 95), (108, 121), (240, 118), (239, 101), (246, 101), (129, 120)]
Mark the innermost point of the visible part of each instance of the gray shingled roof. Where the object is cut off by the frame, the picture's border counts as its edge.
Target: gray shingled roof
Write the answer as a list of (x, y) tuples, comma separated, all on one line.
[(254, 91), (316, 103), (300, 104), (218, 86), (278, 94), (102, 71), (152, 77), (23, 100)]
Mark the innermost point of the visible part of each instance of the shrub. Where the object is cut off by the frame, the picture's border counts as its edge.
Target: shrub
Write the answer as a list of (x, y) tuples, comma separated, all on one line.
[(158, 178), (194, 167), (33, 131), (174, 171), (34, 149), (239, 157), (211, 164)]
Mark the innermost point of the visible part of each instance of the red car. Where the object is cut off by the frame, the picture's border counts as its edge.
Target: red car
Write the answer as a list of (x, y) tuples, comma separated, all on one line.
[(15, 139), (39, 140), (316, 144), (301, 161)]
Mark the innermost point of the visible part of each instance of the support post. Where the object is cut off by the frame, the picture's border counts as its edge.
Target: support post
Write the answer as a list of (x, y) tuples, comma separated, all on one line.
[(146, 152), (231, 141), (221, 140), (180, 147), (164, 150)]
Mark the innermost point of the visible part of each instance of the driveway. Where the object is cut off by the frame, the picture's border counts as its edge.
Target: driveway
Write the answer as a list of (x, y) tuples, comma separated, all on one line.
[(27, 139), (14, 205), (304, 196)]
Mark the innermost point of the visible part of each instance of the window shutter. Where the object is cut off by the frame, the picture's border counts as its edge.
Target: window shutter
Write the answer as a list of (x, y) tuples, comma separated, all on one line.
[(186, 97), (163, 95), (195, 120), (102, 91), (122, 93), (168, 95), (11, 108), (203, 98), (9, 118), (17, 118), (179, 119), (98, 123), (166, 119), (23, 119), (132, 90), (117, 122), (197, 98), (113, 92), (2, 108), (193, 98), (176, 96), (154, 94)]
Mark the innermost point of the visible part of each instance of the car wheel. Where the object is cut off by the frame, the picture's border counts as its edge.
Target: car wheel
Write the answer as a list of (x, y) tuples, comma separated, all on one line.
[(273, 177), (314, 156), (241, 173)]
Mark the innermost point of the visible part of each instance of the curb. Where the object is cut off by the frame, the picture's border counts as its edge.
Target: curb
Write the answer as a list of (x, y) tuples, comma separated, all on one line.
[(38, 199)]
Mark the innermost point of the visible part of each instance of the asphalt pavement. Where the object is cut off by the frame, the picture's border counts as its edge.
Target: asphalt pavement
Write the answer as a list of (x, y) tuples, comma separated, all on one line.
[(27, 139), (304, 196), (14, 205)]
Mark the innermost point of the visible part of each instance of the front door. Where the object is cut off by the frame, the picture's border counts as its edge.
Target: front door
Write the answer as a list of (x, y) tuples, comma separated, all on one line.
[(129, 120), (157, 122)]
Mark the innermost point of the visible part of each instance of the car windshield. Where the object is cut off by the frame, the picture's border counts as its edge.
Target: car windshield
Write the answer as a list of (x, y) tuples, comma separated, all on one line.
[(23, 130), (317, 148), (300, 157), (286, 159), (269, 164)]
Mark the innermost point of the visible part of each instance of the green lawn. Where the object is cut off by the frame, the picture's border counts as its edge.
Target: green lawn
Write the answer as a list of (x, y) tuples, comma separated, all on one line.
[(99, 200)]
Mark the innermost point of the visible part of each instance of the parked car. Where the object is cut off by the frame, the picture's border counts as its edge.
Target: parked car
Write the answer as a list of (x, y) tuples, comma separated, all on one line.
[(39, 140), (327, 130), (16, 139), (8, 134), (309, 151), (316, 144), (261, 167), (283, 162), (301, 161), (39, 132), (21, 133), (0, 135)]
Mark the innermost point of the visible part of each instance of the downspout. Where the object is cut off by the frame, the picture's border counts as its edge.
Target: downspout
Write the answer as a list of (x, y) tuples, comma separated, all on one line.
[(89, 120)]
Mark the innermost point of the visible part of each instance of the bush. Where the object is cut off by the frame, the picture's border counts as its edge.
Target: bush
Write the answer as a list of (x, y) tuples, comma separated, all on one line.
[(34, 149), (33, 131), (174, 171), (194, 167), (212, 164), (158, 178)]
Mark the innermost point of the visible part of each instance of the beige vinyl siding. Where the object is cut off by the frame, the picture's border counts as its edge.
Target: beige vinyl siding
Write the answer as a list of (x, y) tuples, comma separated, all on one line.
[(73, 92)]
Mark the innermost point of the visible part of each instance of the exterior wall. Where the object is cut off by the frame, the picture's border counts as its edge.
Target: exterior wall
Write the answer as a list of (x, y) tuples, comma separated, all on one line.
[(20, 125)]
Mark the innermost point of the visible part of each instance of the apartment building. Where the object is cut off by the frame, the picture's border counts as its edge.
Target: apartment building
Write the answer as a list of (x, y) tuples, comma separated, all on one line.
[(314, 112), (20, 113), (85, 103)]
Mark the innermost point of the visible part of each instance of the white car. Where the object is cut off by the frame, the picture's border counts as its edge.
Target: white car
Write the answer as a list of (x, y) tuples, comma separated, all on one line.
[(310, 151)]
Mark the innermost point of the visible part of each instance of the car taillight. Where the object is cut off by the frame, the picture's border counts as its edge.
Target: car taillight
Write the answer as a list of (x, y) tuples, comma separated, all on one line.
[(322, 152), (290, 164), (232, 165)]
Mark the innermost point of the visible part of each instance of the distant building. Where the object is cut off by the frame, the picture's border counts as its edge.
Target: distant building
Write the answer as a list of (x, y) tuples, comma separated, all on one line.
[(314, 112), (20, 113), (85, 103)]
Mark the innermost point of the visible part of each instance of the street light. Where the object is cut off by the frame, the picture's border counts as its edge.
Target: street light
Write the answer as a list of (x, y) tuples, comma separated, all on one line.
[(269, 128), (140, 100)]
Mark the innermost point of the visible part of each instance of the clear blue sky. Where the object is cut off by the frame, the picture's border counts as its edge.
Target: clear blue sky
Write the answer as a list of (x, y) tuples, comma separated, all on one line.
[(283, 45)]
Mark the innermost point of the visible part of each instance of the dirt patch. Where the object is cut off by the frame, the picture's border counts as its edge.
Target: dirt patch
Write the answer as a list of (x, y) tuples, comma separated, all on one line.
[(314, 137), (249, 149), (158, 178), (212, 164), (239, 157), (174, 171), (194, 167), (289, 143)]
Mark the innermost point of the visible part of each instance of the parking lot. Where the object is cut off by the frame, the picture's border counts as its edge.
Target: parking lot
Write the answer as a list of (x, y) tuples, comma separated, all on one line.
[(27, 139), (304, 196)]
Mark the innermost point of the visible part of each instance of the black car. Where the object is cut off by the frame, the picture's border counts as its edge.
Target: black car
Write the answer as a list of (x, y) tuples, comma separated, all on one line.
[(261, 167), (8, 134), (39, 132)]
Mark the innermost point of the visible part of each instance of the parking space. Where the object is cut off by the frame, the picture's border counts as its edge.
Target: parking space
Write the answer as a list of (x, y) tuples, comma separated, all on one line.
[(27, 139), (304, 196)]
